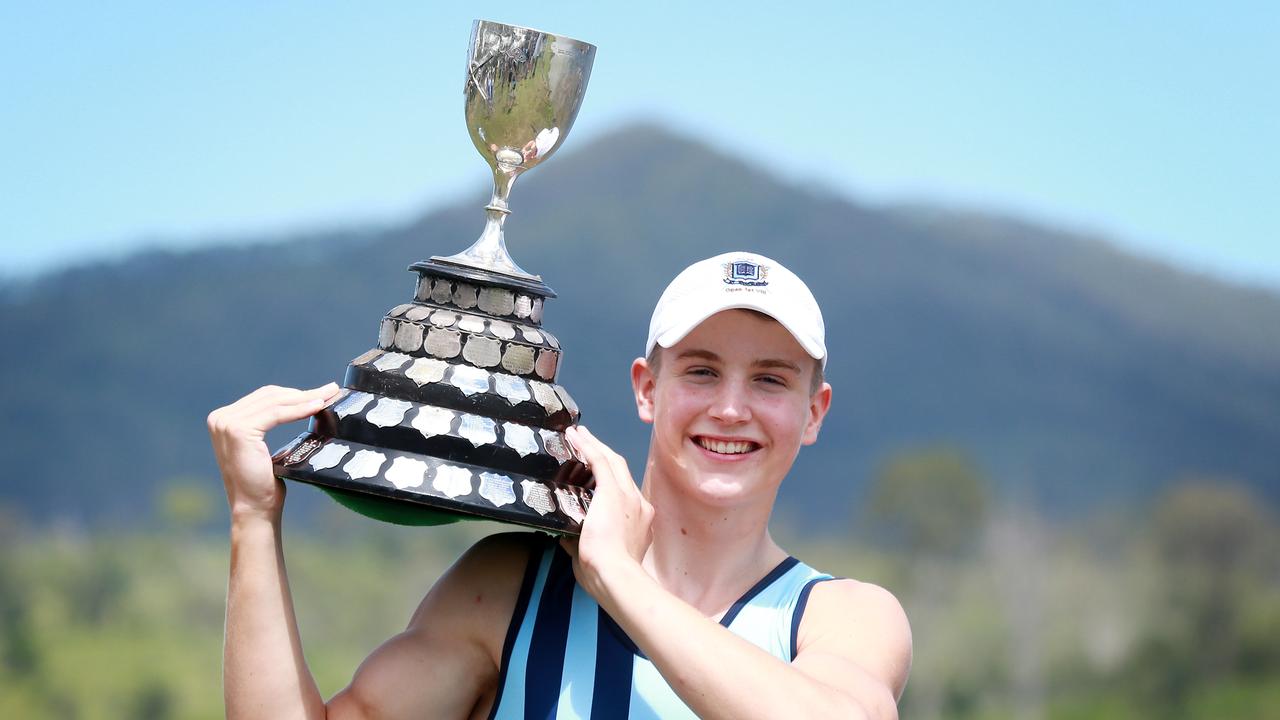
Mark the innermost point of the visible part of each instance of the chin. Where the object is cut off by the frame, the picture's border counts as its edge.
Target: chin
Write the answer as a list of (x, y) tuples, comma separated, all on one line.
[(721, 491)]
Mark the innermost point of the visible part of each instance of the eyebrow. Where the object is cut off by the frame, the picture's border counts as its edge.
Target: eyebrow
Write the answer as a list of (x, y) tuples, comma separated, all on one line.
[(768, 363)]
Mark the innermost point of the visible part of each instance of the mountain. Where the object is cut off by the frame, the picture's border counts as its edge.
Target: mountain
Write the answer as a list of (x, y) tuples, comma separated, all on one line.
[(1075, 373)]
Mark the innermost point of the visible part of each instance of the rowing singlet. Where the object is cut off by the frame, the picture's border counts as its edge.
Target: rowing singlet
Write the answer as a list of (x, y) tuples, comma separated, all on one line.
[(565, 658)]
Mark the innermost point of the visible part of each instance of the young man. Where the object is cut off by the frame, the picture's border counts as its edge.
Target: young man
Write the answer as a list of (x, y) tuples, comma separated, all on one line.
[(673, 602)]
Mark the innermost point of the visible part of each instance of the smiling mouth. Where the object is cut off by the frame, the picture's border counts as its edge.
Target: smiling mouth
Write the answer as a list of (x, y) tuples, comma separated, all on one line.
[(726, 447)]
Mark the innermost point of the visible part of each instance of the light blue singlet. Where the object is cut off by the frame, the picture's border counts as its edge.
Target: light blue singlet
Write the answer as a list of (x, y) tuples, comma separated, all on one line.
[(565, 658)]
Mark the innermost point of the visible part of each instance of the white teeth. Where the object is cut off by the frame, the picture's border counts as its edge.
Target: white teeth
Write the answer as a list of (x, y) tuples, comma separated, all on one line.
[(725, 447)]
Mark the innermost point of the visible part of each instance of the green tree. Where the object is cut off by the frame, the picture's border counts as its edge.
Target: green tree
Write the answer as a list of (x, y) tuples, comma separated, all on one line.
[(1216, 548), (930, 502)]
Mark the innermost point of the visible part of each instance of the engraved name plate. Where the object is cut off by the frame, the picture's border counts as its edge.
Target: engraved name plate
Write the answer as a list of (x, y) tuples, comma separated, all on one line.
[(569, 504), (546, 397), (497, 489), (352, 404), (555, 445), (537, 496)]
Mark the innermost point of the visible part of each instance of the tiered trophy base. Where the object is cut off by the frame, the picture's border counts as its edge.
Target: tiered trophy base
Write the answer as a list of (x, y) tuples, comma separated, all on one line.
[(399, 486), (455, 414)]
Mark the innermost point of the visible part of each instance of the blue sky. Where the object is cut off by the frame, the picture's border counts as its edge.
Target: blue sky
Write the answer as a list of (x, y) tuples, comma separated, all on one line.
[(143, 123)]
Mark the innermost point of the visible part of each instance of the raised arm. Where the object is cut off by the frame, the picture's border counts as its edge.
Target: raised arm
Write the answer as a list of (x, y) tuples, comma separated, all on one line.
[(440, 666), (263, 671)]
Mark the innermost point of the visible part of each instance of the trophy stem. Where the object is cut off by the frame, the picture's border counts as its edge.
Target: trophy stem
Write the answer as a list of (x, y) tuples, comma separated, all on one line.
[(489, 252)]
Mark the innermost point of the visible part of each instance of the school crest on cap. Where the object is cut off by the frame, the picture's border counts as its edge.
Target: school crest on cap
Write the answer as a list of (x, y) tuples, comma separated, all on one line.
[(745, 272)]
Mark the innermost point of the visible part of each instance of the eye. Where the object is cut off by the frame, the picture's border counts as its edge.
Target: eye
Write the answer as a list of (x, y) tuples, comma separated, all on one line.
[(773, 382), (700, 372)]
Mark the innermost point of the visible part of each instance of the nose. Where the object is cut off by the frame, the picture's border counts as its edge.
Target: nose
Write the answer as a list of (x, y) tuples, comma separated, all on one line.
[(731, 403)]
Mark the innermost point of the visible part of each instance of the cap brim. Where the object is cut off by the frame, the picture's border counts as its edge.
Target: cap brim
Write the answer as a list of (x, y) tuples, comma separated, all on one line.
[(696, 317)]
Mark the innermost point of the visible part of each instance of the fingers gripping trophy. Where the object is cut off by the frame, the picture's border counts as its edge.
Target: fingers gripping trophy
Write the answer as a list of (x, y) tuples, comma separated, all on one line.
[(456, 412)]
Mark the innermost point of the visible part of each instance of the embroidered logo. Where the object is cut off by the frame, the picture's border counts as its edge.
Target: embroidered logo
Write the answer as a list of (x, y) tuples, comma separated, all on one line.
[(745, 272)]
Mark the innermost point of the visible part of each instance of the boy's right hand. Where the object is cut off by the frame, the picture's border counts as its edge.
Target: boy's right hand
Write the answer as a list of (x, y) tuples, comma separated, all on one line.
[(238, 432)]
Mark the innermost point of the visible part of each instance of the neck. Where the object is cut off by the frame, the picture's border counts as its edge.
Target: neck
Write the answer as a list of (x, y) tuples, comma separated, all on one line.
[(707, 555)]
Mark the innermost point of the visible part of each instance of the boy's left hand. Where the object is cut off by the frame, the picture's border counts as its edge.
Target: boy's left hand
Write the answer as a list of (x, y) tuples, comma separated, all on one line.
[(618, 528)]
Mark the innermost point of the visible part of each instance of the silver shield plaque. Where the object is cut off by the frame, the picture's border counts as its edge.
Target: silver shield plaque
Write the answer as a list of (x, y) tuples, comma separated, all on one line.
[(497, 489), (569, 504), (471, 324), (406, 473), (469, 380), (364, 464), (511, 387), (503, 330), (537, 496), (391, 361), (443, 343), (352, 404), (546, 397), (555, 444), (329, 456), (518, 359), (388, 412), (444, 318), (452, 481), (431, 421), (519, 438), (482, 351), (426, 370), (477, 429)]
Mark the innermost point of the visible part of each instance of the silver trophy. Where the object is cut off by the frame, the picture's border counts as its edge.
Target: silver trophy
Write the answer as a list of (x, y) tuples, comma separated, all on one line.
[(456, 412)]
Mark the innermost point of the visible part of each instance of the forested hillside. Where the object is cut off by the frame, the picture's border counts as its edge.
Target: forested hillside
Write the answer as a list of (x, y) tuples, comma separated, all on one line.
[(1073, 373)]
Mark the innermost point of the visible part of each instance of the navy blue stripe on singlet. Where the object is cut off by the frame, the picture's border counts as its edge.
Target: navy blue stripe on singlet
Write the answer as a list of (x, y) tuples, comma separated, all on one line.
[(729, 614), (550, 634), (798, 613), (517, 618), (765, 582), (611, 696)]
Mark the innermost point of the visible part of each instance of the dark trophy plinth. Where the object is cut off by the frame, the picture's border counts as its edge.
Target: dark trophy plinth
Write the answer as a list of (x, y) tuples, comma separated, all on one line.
[(456, 412)]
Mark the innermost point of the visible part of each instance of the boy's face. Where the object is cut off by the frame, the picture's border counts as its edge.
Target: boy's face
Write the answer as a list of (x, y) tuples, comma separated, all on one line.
[(730, 406)]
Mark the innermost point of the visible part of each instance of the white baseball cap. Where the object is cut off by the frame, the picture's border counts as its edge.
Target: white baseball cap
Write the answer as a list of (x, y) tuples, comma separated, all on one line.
[(738, 280)]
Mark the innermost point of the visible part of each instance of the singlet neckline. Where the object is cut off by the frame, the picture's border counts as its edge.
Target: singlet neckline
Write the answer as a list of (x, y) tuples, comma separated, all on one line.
[(729, 615)]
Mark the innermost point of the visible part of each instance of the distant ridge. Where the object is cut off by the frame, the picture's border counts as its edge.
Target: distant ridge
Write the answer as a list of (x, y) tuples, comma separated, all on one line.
[(1074, 372)]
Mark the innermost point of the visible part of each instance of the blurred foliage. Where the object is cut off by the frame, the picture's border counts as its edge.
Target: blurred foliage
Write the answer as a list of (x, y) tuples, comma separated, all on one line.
[(931, 503), (1173, 612)]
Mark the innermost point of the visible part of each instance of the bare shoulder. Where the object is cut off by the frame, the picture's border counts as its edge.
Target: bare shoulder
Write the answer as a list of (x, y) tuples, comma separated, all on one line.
[(447, 659), (862, 623), (855, 603), (483, 583)]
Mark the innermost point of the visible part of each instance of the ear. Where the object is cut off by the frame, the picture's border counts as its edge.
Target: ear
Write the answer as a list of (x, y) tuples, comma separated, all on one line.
[(642, 384), (819, 404)]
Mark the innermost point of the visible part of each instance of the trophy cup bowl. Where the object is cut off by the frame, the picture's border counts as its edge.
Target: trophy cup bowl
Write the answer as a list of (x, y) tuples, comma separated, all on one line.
[(523, 90), (456, 413)]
